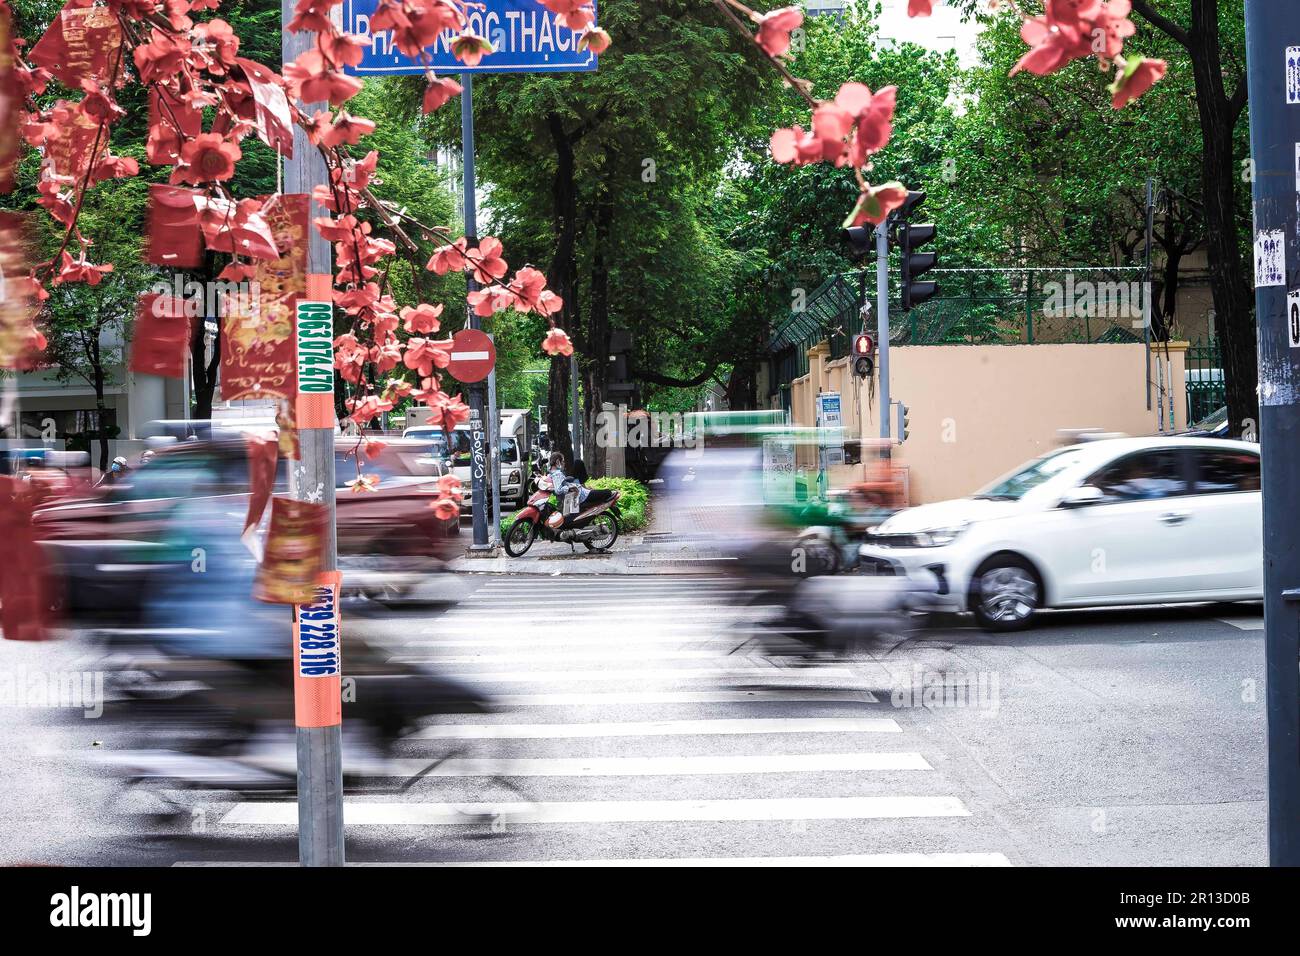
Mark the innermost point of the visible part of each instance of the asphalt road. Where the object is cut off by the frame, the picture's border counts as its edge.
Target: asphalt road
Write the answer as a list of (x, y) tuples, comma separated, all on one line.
[(631, 726)]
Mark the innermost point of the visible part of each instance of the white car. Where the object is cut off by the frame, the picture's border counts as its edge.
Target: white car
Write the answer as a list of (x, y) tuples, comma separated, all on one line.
[(1120, 521)]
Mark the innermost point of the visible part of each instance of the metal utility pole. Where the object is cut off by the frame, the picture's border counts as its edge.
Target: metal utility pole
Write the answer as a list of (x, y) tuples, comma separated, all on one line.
[(1146, 290), (478, 431), (1273, 73), (882, 325), (317, 700)]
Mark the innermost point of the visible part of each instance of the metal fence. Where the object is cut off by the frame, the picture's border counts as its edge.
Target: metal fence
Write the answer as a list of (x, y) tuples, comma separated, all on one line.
[(1205, 391), (975, 306)]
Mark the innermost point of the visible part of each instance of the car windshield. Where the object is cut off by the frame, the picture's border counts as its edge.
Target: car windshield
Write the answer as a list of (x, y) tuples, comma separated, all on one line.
[(436, 437), (509, 450), (1211, 422), (1015, 486)]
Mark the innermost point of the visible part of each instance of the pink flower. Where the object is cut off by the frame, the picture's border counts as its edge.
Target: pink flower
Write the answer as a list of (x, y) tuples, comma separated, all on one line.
[(449, 487), (470, 48), (594, 39), (875, 203), (450, 258), (574, 14), (209, 157), (919, 8), (1133, 79), (423, 355), (548, 303), (423, 319), (487, 261), (438, 92), (446, 509), (557, 343), (774, 29)]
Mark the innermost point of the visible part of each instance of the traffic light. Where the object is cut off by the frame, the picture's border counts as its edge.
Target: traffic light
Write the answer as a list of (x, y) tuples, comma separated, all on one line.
[(863, 348), (860, 240), (901, 422), (909, 238)]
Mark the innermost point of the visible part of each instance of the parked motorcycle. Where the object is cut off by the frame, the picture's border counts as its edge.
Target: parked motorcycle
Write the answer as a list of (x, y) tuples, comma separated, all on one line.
[(595, 524)]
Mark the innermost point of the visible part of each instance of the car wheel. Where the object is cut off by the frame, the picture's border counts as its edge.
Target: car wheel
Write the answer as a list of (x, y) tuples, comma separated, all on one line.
[(1006, 593)]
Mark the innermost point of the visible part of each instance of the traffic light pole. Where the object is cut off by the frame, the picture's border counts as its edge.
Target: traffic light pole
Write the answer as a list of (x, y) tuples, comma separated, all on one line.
[(882, 327), (1273, 73), (311, 478)]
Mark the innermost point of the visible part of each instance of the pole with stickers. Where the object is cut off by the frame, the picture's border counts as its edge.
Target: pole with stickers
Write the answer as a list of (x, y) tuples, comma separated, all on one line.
[(317, 679), (1273, 70)]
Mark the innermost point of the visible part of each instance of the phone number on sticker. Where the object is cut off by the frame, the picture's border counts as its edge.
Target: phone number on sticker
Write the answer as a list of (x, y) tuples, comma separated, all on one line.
[(318, 636)]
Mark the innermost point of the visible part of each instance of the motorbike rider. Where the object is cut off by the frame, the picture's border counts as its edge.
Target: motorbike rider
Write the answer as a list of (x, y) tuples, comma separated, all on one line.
[(562, 483)]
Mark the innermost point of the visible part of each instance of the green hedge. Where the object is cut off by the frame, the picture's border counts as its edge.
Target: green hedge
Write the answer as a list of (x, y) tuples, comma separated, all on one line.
[(633, 505)]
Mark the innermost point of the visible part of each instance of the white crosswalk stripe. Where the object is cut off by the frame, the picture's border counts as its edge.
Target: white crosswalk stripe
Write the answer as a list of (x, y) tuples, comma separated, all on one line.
[(640, 728), (664, 728), (369, 813)]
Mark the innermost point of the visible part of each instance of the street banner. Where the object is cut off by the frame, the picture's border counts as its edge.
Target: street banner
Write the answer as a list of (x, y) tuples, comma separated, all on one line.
[(10, 103), (294, 547), (82, 43), (258, 357), (263, 453), (525, 38), (161, 338)]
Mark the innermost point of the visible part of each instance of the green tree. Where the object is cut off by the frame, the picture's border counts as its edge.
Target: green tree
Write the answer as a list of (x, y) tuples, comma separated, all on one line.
[(609, 181)]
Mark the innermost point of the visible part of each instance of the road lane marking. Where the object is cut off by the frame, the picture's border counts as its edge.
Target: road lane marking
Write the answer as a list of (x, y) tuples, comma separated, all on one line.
[(611, 654), (673, 674), (1243, 623), (861, 859), (661, 728), (754, 695), (609, 811), (707, 764)]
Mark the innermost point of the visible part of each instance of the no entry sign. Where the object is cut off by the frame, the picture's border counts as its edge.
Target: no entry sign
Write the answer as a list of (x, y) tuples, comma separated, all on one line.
[(472, 355)]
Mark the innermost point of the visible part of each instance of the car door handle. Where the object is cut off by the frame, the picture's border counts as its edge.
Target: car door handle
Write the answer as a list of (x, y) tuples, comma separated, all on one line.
[(1175, 517)]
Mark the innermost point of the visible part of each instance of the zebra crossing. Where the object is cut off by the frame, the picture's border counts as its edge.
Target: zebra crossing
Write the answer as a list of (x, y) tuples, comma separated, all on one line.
[(635, 726)]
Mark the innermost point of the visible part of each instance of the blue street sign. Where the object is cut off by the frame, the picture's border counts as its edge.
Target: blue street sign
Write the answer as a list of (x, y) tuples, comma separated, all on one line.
[(525, 38)]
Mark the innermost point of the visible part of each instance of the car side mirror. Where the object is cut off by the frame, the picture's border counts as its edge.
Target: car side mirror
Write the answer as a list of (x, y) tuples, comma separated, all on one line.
[(1082, 496)]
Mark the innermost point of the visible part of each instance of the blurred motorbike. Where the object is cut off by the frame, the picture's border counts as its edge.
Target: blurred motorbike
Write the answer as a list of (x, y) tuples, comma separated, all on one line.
[(191, 719)]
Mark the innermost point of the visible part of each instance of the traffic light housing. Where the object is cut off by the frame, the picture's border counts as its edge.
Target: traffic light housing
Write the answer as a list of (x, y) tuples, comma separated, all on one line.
[(860, 240), (901, 411), (864, 347), (909, 238)]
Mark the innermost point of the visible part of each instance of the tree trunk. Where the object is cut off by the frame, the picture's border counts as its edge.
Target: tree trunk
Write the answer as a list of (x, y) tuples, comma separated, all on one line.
[(203, 371), (101, 409), (562, 277), (557, 407), (1233, 300), (596, 368)]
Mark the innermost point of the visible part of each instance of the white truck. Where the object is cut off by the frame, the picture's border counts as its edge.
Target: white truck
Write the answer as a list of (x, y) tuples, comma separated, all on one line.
[(512, 454)]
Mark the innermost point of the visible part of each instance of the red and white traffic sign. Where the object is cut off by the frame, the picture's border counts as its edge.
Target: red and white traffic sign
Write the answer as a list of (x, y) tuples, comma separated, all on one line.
[(472, 355)]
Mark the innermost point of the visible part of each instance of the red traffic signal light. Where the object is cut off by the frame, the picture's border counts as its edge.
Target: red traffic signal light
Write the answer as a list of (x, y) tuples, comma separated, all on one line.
[(863, 344)]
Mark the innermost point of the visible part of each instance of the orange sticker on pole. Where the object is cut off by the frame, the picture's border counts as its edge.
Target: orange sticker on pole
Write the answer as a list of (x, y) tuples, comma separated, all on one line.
[(317, 656)]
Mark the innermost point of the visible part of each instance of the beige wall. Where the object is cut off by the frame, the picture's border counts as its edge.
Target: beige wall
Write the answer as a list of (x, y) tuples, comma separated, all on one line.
[(977, 411)]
